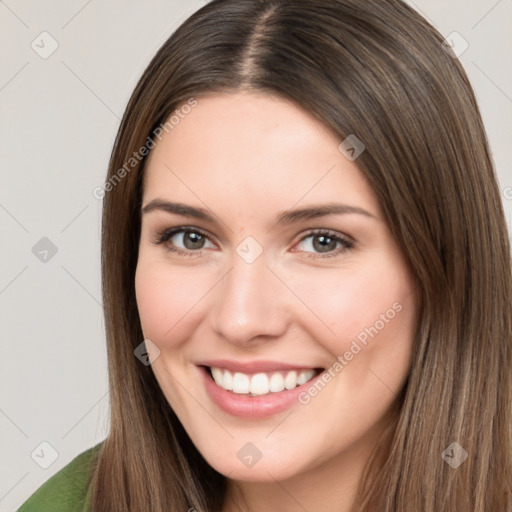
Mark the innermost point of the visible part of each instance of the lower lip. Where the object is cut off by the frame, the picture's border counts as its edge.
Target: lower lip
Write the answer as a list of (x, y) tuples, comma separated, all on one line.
[(256, 407)]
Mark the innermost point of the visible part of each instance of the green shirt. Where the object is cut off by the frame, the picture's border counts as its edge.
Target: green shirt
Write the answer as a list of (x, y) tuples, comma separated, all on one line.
[(65, 491)]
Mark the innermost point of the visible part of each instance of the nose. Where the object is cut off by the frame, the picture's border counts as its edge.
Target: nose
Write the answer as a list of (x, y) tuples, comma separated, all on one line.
[(250, 303)]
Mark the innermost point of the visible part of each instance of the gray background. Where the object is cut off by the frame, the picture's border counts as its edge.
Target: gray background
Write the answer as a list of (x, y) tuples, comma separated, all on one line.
[(59, 117)]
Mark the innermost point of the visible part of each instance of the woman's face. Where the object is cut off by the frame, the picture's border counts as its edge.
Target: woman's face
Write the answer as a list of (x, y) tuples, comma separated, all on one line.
[(304, 316)]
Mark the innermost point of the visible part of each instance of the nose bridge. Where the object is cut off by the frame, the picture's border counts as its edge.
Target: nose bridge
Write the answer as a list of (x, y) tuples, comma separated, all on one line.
[(248, 300)]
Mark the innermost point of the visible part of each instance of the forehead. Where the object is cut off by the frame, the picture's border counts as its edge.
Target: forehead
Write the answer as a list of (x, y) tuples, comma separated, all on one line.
[(252, 148)]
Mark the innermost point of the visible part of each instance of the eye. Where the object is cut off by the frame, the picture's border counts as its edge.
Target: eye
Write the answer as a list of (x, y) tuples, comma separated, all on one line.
[(191, 240), (326, 242)]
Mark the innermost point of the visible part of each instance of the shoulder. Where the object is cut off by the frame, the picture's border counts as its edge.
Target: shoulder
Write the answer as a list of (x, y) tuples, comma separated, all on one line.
[(66, 490)]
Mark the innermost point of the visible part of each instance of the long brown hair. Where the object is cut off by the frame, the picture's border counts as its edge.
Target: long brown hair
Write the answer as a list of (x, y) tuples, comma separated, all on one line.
[(376, 69)]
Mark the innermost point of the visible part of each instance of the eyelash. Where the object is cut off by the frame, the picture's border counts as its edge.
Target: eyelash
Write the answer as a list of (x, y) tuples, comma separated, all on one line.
[(164, 235)]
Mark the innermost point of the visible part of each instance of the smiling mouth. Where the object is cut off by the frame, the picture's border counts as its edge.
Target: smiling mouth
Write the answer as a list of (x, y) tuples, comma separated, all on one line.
[(262, 383)]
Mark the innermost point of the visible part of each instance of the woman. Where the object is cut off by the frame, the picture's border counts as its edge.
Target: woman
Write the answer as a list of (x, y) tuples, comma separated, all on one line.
[(306, 272)]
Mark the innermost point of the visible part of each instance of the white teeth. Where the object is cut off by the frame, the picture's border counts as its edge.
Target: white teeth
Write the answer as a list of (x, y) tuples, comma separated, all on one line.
[(276, 383), (241, 383), (290, 381), (302, 378), (260, 383), (217, 374), (227, 380)]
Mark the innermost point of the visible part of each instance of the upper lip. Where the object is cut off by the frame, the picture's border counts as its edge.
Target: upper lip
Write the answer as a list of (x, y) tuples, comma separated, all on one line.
[(254, 366)]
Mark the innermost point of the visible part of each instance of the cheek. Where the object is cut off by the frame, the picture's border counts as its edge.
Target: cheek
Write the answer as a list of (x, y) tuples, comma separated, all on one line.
[(373, 316), (370, 313), (355, 302), (167, 301), (375, 355), (164, 298)]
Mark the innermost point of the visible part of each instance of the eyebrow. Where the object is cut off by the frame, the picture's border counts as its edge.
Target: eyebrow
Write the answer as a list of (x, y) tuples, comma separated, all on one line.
[(286, 217)]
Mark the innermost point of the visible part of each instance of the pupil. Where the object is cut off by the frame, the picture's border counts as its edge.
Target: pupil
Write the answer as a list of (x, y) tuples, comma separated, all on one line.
[(324, 247), (195, 238)]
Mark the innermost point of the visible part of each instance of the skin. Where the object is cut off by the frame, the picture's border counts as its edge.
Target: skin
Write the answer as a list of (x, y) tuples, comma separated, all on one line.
[(246, 157)]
